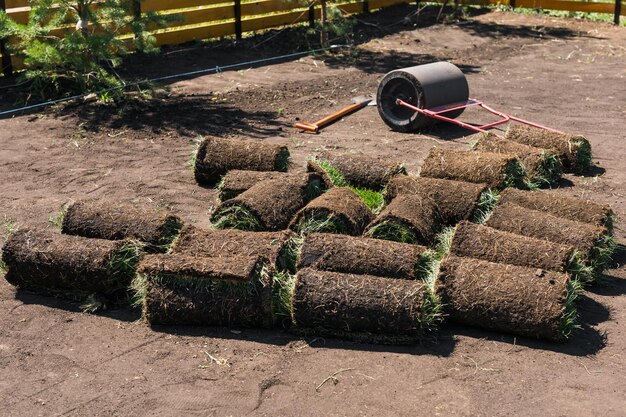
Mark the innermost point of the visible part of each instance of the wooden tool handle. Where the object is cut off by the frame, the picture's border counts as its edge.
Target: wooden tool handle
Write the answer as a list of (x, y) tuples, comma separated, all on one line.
[(326, 120)]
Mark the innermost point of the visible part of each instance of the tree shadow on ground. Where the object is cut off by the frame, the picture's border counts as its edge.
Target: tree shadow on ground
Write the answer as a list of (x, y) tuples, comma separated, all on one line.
[(186, 115)]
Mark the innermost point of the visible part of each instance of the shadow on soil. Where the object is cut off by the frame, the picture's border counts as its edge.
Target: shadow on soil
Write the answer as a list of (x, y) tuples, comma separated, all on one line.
[(585, 342), (204, 114), (435, 345)]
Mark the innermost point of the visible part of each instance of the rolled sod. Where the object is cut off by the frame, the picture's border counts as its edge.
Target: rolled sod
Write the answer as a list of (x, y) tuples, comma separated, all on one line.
[(577, 209), (515, 299), (215, 157), (573, 151), (489, 244), (590, 241), (237, 181), (361, 170), (363, 307), (542, 166), (338, 210), (409, 218), (223, 243), (327, 181), (361, 255), (268, 205), (496, 170), (73, 266), (455, 200), (115, 221), (184, 290)]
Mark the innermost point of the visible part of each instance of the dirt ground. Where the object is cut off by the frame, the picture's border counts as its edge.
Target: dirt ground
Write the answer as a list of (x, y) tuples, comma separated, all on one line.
[(55, 360)]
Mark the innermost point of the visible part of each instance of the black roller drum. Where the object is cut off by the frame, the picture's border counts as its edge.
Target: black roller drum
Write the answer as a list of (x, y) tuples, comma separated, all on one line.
[(424, 86)]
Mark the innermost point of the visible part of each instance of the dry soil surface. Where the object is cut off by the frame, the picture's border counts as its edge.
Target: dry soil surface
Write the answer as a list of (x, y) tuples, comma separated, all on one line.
[(55, 360)]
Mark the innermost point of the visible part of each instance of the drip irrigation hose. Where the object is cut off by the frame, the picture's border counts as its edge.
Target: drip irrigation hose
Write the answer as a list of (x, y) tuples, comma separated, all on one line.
[(217, 69)]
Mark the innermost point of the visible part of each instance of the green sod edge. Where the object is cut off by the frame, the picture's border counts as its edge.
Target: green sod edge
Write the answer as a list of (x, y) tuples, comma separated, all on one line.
[(236, 217), (57, 218), (583, 154), (282, 161), (168, 234), (487, 201), (321, 221), (444, 242), (601, 257), (515, 174), (569, 319), (579, 269), (195, 158), (290, 254), (549, 171), (282, 298), (392, 230), (372, 199)]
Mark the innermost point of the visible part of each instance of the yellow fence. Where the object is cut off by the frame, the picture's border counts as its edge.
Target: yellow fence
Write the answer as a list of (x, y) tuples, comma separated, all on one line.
[(207, 19)]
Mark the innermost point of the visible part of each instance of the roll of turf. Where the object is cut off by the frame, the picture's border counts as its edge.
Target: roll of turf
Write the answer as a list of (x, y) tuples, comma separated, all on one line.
[(183, 290), (71, 266), (577, 209), (455, 200), (592, 242), (268, 205), (489, 244), (496, 170), (360, 170), (115, 221), (237, 181), (363, 307), (327, 181), (361, 255), (573, 151), (409, 218), (424, 86), (223, 243), (524, 301), (338, 210), (215, 157), (542, 166)]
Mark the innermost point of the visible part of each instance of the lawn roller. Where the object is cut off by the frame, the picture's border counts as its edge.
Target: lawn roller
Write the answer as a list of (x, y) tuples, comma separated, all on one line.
[(412, 98)]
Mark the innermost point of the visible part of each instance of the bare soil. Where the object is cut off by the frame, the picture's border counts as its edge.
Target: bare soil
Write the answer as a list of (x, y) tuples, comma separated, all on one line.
[(56, 361)]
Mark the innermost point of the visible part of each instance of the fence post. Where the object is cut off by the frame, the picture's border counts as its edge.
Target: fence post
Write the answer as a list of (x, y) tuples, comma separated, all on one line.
[(312, 15), (618, 11), (238, 19), (366, 6), (7, 66), (512, 4)]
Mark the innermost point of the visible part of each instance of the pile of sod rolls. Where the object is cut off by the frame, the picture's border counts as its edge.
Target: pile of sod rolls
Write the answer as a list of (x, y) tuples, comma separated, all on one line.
[(95, 258)]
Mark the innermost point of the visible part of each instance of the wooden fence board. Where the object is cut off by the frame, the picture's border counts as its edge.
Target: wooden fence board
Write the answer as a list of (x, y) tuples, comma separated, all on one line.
[(162, 5)]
